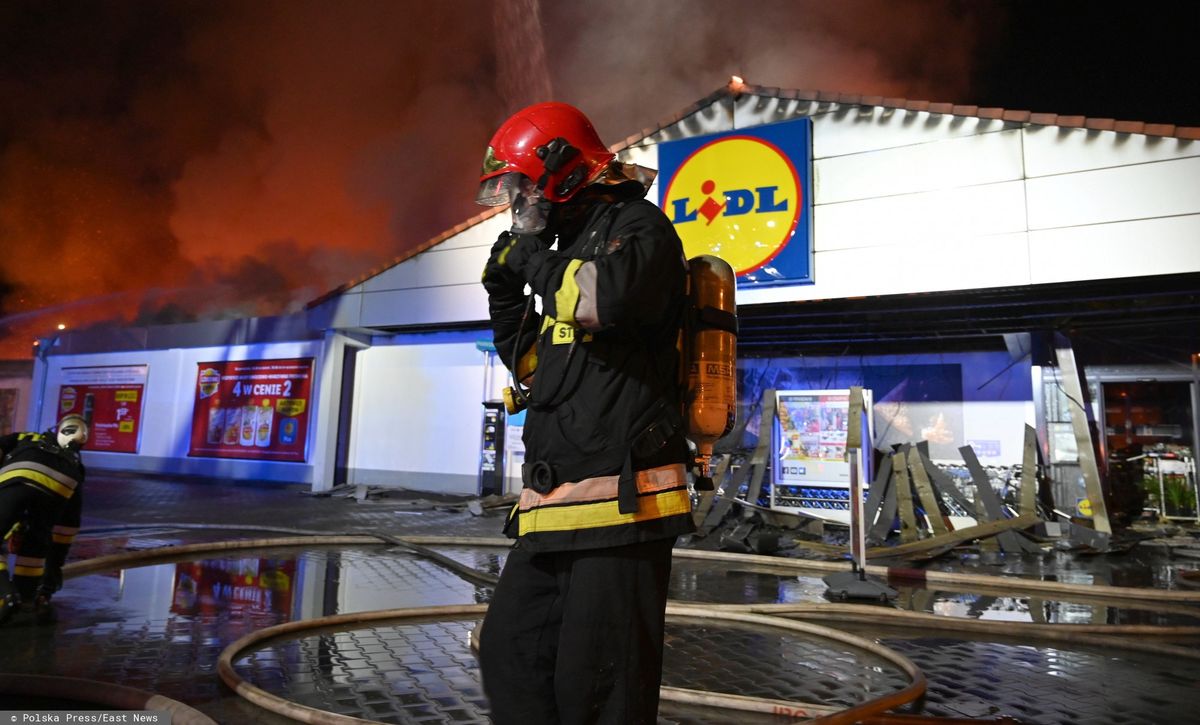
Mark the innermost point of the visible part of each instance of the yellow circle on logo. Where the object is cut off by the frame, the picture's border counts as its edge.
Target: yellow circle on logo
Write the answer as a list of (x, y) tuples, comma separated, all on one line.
[(738, 198), (1084, 507)]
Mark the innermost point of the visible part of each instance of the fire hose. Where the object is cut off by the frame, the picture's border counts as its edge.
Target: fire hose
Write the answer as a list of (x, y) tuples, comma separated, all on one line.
[(780, 616)]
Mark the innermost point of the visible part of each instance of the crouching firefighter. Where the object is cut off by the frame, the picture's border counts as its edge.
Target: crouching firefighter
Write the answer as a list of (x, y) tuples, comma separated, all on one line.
[(41, 481), (574, 633)]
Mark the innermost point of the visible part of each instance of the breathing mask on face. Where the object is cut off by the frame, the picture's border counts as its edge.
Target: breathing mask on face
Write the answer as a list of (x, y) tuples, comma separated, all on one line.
[(72, 432), (529, 206)]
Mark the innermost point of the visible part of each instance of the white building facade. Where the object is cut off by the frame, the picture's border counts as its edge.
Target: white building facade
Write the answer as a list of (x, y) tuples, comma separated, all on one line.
[(926, 222)]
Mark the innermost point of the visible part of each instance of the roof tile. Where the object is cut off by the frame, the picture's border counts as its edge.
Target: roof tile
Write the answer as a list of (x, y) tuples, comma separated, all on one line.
[(942, 108), (1071, 121), (1160, 129), (1017, 116), (1099, 124), (1044, 119), (991, 113), (1128, 126)]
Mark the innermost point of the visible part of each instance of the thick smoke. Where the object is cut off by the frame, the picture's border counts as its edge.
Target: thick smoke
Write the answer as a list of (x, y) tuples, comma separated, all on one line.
[(166, 161)]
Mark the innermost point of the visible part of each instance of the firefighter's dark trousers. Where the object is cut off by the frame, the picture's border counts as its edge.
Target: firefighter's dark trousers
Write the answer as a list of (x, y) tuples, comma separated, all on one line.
[(577, 636), (39, 509)]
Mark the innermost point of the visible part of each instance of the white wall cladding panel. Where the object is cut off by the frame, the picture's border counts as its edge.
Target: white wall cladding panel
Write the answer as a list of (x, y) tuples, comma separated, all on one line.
[(869, 128), (1161, 188), (957, 162), (434, 268), (642, 155), (347, 311), (993, 261), (426, 306), (1124, 249), (1053, 150), (710, 119), (427, 397), (751, 110), (485, 232), (912, 219)]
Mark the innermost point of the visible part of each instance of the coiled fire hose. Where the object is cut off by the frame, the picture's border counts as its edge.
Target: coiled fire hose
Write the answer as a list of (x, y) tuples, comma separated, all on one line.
[(766, 615)]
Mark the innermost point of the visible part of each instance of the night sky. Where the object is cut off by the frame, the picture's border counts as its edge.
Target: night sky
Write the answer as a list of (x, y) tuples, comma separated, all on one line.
[(168, 161)]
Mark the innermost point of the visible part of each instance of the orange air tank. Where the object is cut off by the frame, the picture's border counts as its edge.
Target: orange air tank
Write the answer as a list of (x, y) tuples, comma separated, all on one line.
[(711, 357)]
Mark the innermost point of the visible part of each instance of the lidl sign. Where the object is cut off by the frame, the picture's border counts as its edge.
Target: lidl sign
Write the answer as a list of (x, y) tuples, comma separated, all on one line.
[(745, 196)]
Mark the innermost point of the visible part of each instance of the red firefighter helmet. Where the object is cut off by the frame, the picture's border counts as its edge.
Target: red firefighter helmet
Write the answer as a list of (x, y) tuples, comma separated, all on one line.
[(552, 144)]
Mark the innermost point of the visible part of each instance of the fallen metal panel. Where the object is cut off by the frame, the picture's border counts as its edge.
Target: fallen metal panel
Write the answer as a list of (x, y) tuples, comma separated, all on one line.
[(1081, 417), (933, 512), (908, 517)]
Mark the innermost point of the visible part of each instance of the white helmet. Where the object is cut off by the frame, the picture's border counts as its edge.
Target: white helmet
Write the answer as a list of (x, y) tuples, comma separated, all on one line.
[(72, 431)]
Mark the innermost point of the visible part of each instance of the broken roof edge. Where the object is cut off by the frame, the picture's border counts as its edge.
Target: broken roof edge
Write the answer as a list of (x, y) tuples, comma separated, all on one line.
[(737, 87)]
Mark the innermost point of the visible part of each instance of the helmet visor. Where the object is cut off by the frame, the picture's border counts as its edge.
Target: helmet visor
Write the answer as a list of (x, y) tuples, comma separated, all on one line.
[(499, 190), (530, 209)]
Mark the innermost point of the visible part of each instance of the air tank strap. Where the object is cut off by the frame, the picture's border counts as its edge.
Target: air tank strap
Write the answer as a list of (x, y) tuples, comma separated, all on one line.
[(711, 318)]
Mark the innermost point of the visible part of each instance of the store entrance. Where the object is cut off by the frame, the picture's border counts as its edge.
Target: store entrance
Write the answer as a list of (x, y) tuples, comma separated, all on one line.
[(1150, 415), (1150, 438)]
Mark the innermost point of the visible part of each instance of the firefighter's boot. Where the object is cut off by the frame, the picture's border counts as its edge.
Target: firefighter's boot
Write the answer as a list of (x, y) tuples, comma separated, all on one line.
[(9, 604), (43, 610)]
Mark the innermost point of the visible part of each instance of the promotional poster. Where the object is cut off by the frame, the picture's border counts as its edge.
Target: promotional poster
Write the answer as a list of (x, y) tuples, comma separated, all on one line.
[(812, 436), (116, 395), (256, 409)]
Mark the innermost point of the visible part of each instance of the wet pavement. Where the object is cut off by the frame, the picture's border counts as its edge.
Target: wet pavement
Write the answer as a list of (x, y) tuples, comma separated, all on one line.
[(161, 626)]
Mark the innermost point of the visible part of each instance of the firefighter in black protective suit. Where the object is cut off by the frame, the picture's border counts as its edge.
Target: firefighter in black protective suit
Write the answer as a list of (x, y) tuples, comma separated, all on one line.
[(41, 482), (574, 633)]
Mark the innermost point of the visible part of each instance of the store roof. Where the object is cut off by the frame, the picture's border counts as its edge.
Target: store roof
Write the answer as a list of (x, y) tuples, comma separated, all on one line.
[(822, 101)]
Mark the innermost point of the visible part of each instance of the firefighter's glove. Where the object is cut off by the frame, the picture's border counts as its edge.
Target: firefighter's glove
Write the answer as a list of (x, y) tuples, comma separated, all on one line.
[(524, 254), (498, 279)]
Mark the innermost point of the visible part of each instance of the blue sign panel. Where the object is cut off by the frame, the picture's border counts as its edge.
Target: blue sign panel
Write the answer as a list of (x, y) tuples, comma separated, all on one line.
[(744, 196)]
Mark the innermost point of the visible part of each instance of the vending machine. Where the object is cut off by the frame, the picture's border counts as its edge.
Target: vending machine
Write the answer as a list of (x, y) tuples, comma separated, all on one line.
[(811, 474), (491, 454)]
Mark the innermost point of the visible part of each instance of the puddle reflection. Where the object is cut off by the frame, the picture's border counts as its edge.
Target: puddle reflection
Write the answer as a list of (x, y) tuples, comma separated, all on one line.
[(280, 585)]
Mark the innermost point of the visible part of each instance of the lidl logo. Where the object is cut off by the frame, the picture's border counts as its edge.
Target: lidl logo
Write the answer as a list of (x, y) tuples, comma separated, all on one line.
[(743, 196)]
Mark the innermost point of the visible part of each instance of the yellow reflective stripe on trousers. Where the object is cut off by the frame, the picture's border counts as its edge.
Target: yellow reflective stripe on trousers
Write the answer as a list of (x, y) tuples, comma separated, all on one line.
[(63, 538), (567, 295), (40, 479), (29, 566), (603, 513)]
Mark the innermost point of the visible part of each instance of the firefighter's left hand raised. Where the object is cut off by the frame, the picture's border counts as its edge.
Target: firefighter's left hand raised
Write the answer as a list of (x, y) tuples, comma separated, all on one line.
[(523, 254)]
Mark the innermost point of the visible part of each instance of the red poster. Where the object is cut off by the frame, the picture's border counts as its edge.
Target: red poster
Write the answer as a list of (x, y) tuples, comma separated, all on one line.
[(216, 586), (116, 395), (252, 409)]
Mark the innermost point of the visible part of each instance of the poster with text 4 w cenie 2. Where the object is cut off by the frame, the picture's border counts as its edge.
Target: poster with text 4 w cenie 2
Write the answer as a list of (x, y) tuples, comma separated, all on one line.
[(255, 409)]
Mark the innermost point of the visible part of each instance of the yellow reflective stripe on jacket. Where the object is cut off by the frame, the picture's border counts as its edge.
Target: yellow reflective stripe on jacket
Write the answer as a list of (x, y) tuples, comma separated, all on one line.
[(604, 513), (40, 479), (564, 332), (567, 295), (592, 503), (604, 488)]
